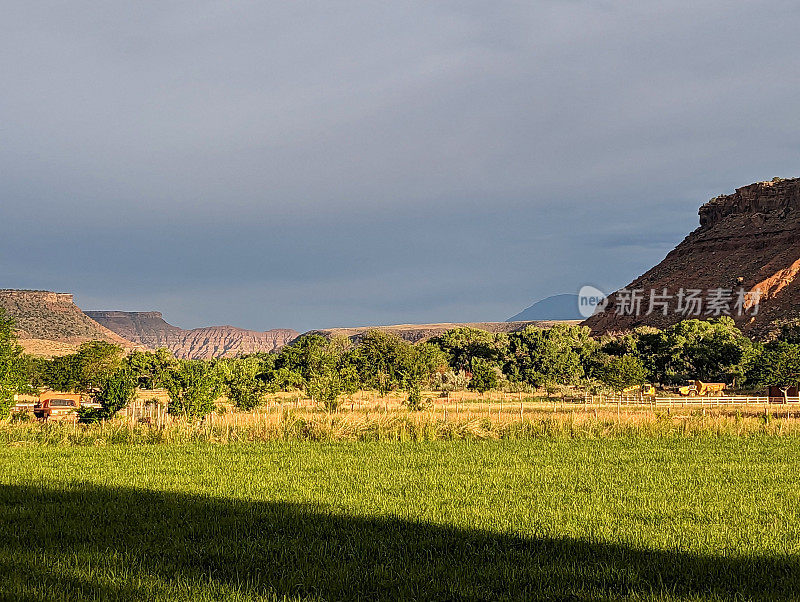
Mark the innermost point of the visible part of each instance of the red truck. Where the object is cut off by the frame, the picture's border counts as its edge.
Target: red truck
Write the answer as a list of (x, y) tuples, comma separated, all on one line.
[(57, 406)]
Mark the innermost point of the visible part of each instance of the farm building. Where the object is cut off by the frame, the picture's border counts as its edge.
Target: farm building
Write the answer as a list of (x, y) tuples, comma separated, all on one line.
[(775, 391)]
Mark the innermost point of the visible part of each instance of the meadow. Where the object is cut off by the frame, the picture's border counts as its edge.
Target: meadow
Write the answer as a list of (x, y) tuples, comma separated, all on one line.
[(693, 516), (372, 418)]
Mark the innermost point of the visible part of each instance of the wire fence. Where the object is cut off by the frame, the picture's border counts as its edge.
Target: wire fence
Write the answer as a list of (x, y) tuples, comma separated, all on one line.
[(152, 407)]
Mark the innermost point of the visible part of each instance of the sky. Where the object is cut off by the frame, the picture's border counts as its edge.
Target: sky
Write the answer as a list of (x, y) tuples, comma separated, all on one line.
[(318, 164)]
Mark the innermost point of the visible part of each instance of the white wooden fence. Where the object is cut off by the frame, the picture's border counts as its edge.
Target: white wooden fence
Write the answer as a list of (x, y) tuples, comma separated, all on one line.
[(680, 401)]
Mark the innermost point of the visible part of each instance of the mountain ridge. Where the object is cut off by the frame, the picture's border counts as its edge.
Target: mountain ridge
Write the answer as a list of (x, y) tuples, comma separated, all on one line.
[(746, 249), (151, 330), (555, 307)]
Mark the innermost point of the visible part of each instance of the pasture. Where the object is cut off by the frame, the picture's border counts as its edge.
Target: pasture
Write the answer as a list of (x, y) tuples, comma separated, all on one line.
[(627, 517)]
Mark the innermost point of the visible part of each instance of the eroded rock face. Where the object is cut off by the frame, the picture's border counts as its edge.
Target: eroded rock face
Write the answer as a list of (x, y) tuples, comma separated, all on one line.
[(151, 330), (747, 241), (53, 317), (779, 195)]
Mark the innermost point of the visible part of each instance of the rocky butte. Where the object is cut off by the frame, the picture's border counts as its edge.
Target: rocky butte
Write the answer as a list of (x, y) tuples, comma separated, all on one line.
[(50, 324), (151, 330), (746, 248)]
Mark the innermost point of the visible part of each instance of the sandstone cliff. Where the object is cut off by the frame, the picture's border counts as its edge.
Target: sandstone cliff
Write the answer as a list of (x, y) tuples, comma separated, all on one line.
[(151, 330), (51, 324), (748, 243)]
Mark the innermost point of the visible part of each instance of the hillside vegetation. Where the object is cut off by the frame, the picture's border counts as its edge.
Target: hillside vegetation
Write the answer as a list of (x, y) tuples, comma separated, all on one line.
[(48, 316), (416, 333)]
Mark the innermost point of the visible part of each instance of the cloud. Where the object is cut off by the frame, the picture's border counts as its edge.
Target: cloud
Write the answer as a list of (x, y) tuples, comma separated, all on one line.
[(372, 162)]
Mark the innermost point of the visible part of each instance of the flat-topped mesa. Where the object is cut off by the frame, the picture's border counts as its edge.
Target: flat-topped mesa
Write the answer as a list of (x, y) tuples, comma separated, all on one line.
[(40, 296), (149, 328), (779, 194), (49, 323), (154, 315)]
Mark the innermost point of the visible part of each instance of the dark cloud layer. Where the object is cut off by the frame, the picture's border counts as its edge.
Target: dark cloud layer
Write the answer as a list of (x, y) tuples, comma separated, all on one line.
[(314, 164)]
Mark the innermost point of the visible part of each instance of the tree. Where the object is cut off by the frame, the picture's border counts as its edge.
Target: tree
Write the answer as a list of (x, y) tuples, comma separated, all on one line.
[(331, 373), (549, 357), (281, 379), (627, 342), (448, 380), (484, 376), (193, 387), (414, 399), (245, 388), (305, 355), (151, 367), (622, 372), (709, 350), (97, 362), (322, 366), (464, 344), (61, 373), (378, 360), (351, 382), (85, 371), (790, 332), (118, 390), (12, 373), (325, 388), (415, 364), (777, 366)]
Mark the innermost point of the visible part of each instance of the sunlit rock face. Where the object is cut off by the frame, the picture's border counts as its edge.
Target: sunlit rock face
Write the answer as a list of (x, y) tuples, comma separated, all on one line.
[(151, 330), (748, 243)]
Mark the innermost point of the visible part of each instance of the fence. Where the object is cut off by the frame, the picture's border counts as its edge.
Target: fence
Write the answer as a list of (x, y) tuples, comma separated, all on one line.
[(151, 412), (679, 401), (505, 407)]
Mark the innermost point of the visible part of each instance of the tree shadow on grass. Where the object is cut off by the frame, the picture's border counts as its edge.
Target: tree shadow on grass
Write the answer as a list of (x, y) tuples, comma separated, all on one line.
[(89, 542)]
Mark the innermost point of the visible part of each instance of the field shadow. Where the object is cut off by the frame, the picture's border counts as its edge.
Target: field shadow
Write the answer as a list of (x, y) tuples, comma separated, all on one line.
[(90, 542)]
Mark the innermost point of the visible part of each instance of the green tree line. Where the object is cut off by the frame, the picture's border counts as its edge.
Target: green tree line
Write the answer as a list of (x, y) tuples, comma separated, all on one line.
[(326, 369)]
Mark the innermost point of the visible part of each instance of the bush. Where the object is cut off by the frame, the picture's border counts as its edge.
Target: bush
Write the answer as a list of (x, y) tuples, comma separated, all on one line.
[(414, 400)]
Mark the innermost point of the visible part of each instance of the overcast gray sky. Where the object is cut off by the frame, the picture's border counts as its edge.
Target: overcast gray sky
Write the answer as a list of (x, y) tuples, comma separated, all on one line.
[(311, 164)]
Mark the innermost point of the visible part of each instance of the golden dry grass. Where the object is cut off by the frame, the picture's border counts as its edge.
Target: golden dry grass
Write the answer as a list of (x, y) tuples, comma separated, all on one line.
[(378, 419), (48, 349)]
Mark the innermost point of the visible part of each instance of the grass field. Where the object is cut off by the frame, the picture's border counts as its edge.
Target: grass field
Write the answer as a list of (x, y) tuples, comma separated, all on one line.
[(470, 421), (711, 518)]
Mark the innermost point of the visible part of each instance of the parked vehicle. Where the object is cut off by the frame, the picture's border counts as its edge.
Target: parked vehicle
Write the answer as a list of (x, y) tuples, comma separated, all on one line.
[(53, 405), (646, 390), (697, 388)]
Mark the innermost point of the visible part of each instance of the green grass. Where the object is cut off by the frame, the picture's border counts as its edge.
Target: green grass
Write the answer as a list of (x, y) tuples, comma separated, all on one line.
[(635, 518)]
